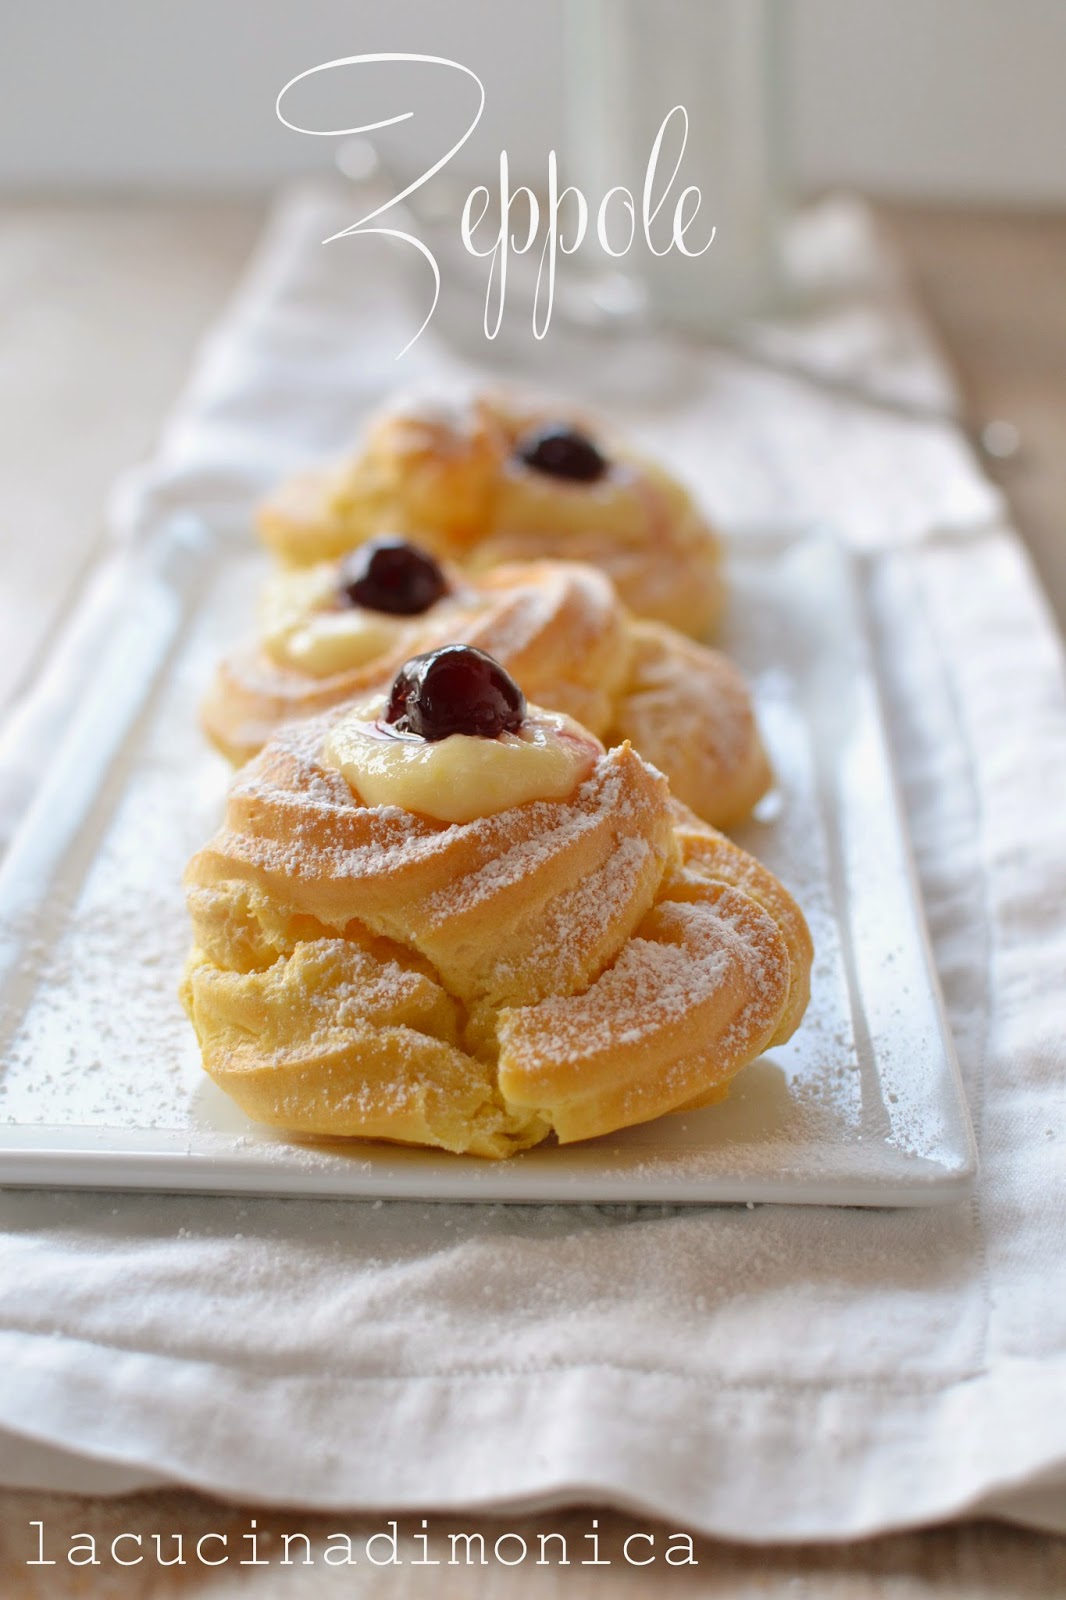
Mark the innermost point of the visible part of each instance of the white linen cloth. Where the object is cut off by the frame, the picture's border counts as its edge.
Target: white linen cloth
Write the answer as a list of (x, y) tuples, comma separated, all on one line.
[(766, 1374)]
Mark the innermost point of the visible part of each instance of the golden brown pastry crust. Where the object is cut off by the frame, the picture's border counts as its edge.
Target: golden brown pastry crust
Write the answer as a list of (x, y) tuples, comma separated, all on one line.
[(560, 631), (573, 965), (448, 476), (688, 710)]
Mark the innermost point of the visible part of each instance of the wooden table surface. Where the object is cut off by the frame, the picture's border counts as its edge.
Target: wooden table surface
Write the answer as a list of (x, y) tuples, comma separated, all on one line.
[(100, 309)]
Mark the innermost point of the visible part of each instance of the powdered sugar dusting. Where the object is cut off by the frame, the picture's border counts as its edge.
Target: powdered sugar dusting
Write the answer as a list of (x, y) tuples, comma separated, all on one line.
[(93, 1036)]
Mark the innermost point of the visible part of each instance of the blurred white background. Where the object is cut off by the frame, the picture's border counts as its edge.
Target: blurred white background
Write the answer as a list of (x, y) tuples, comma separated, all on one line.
[(940, 99)]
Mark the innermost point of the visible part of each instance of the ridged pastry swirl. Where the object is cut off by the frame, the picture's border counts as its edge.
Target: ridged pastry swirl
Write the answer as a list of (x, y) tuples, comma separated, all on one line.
[(575, 965), (449, 475), (559, 630)]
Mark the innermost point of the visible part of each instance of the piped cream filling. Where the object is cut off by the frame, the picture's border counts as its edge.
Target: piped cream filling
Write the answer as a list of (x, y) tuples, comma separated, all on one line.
[(302, 627), (336, 641), (463, 777)]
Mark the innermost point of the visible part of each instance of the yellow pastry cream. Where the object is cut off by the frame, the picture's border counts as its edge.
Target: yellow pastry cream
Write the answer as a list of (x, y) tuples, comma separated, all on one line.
[(321, 622), (462, 777), (458, 776)]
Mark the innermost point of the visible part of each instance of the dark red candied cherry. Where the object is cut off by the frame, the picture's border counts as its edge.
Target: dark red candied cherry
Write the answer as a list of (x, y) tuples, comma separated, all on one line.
[(391, 575), (455, 689), (562, 452)]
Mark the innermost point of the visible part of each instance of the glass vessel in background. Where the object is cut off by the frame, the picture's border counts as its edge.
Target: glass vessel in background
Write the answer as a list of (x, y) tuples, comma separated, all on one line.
[(629, 63)]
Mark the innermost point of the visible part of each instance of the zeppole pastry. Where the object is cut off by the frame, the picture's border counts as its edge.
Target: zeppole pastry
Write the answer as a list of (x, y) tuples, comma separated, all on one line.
[(341, 629), (493, 478), (447, 917)]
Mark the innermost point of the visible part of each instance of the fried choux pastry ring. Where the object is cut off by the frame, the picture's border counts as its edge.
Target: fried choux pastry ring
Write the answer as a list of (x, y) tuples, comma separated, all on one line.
[(450, 918), (490, 478), (340, 630)]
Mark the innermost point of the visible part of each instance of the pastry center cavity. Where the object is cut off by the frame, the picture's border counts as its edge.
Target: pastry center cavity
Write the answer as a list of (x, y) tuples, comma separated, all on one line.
[(393, 576), (462, 777), (333, 619), (561, 451), (455, 741)]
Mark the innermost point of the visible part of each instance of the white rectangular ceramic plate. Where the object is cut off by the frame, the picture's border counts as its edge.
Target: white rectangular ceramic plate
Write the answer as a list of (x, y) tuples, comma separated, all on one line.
[(101, 1083)]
